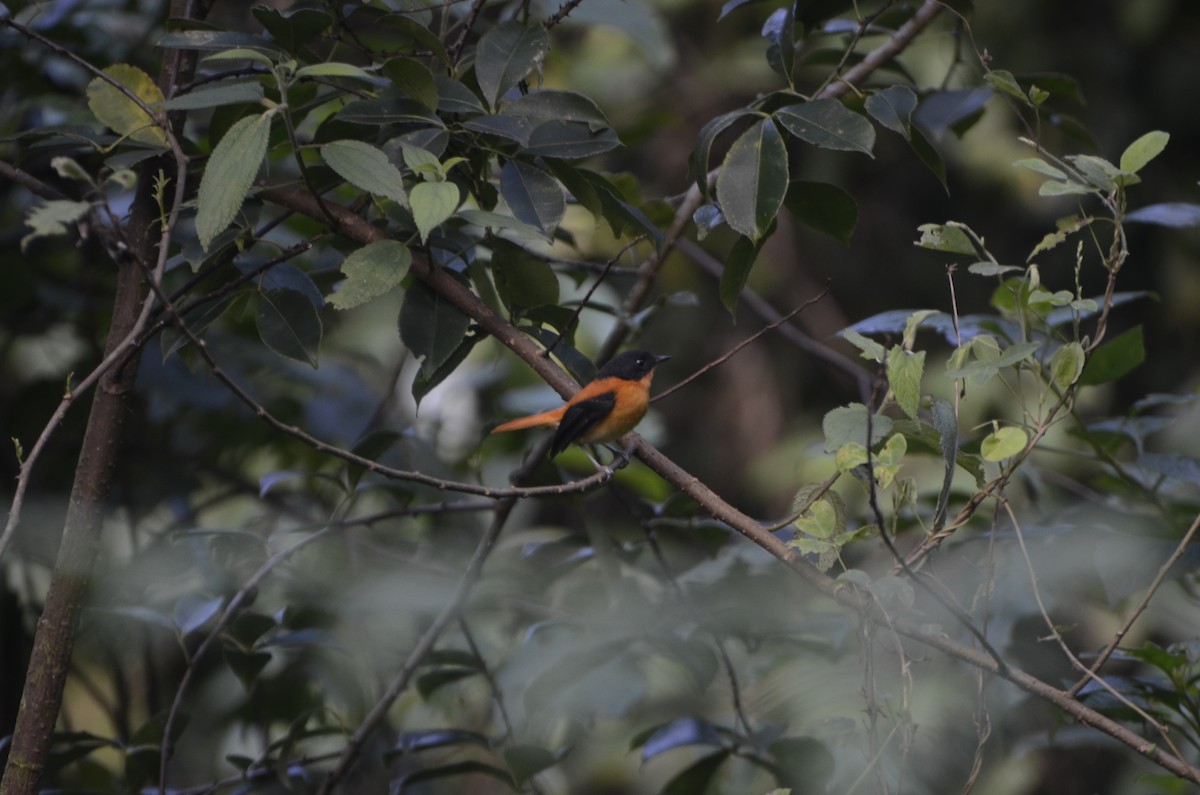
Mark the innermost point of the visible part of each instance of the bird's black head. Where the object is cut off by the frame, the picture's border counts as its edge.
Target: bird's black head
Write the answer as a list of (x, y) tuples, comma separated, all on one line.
[(631, 365)]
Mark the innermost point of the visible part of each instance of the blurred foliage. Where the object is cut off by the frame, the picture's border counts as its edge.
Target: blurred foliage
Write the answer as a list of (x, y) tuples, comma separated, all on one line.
[(1034, 347)]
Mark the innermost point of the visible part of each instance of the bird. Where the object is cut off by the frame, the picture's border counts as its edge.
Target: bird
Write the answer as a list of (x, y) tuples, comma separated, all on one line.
[(605, 409)]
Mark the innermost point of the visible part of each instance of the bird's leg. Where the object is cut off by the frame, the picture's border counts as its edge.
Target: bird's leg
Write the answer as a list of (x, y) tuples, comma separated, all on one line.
[(608, 471), (620, 454)]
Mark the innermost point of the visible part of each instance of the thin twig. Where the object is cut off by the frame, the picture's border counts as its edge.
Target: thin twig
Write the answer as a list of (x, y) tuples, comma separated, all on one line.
[(732, 351)]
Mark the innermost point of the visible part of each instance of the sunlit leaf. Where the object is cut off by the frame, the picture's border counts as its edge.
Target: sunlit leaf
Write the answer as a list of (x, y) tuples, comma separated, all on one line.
[(1143, 150), (432, 203), (114, 109), (1003, 443)]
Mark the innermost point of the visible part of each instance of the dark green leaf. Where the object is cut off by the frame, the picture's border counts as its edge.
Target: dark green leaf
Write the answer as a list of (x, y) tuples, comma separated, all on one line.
[(246, 665), (829, 124), (929, 156), (697, 777), (289, 325), (534, 196), (526, 761), (430, 326), (514, 128), (297, 29), (432, 681), (523, 280), (955, 110), (826, 208), (425, 382), (215, 96), (737, 271), (704, 141), (802, 763), (194, 611), (506, 54), (893, 108), (456, 769), (1115, 358), (754, 180), (414, 79), (571, 140), (394, 110), (454, 97), (562, 105), (230, 171), (372, 446)]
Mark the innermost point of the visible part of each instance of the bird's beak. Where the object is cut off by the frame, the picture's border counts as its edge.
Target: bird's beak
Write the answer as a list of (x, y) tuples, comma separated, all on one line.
[(660, 359)]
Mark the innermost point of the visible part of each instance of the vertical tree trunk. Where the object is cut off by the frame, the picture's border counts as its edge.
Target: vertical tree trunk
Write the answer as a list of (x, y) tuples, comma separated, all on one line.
[(41, 699)]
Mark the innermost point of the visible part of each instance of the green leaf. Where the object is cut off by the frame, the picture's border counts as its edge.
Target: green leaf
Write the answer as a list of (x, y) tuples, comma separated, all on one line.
[(826, 208), (365, 167), (1115, 358), (754, 180), (524, 281), (548, 104), (1003, 443), (414, 79), (1066, 365), (829, 124), (433, 203), (118, 112), (1041, 167), (928, 155), (430, 326), (370, 272), (493, 221), (334, 69), (289, 325), (50, 218), (737, 271), (848, 424), (948, 238), (571, 140), (425, 382), (214, 97), (704, 141), (506, 54), (1004, 81), (534, 196), (393, 110), (295, 30), (893, 107), (526, 761), (697, 776), (1143, 150), (904, 371), (216, 41), (871, 350), (231, 170)]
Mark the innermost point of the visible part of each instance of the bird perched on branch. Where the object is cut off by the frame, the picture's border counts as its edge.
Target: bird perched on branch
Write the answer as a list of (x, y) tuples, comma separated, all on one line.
[(607, 408)]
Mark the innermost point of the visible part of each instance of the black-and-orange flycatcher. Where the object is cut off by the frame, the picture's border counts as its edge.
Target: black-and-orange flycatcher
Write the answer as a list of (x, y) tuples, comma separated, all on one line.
[(607, 408)]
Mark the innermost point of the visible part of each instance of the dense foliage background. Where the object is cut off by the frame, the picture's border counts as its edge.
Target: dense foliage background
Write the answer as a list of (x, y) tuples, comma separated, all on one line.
[(300, 565)]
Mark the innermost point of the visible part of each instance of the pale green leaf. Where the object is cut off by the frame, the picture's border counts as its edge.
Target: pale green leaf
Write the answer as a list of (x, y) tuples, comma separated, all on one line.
[(871, 350), (230, 172), (334, 69), (904, 372), (365, 167), (50, 218), (1003, 443), (1066, 365), (433, 203), (1143, 150), (370, 272)]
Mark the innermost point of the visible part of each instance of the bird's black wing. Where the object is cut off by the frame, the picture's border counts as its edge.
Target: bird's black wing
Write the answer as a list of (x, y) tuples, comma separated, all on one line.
[(580, 418)]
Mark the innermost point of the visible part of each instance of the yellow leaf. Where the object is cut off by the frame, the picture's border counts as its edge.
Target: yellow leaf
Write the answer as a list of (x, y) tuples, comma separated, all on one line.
[(121, 114)]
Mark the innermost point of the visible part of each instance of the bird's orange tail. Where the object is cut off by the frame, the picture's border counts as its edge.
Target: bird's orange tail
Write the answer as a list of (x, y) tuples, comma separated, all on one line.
[(547, 419)]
